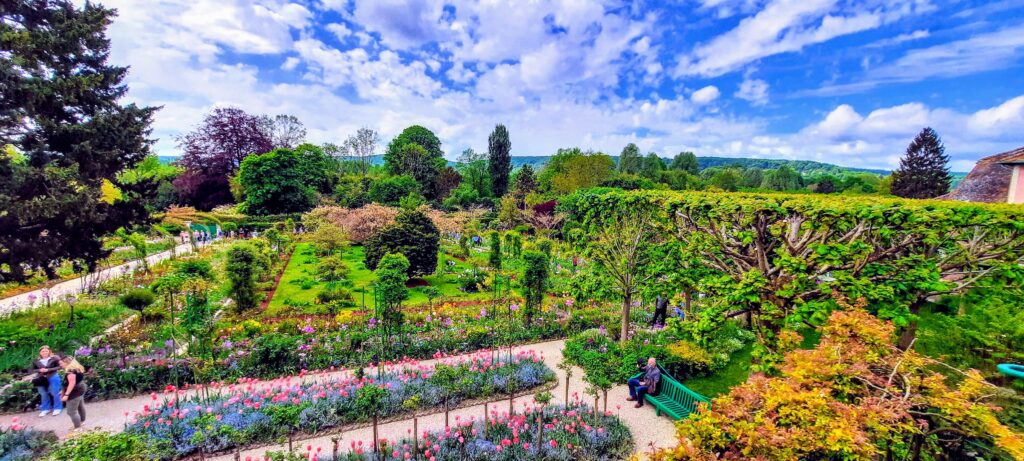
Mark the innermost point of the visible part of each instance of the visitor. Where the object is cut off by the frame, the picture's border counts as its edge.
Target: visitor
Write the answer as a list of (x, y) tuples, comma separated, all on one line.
[(660, 310), (646, 384), (74, 389), (47, 382)]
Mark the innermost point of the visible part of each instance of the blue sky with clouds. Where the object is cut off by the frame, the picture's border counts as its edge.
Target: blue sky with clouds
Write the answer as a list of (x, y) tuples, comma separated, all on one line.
[(846, 82)]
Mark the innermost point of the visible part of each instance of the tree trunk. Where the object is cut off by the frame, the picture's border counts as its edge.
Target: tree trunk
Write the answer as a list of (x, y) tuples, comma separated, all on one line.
[(415, 437), (909, 333), (375, 436), (688, 302), (566, 388), (606, 401), (627, 302)]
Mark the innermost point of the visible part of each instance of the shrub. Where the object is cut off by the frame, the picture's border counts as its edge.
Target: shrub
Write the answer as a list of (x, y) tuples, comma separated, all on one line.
[(194, 268), (334, 295), (19, 444), (154, 314), (138, 299), (359, 223), (391, 190), (414, 236), (91, 446)]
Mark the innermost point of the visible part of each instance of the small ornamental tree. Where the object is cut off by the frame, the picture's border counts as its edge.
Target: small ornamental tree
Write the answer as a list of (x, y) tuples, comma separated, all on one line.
[(391, 292), (620, 246), (534, 283), (370, 400), (495, 257), (856, 397), (243, 269), (924, 170), (413, 235)]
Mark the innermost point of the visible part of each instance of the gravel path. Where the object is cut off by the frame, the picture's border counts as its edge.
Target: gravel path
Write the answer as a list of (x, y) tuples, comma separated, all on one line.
[(74, 286), (648, 429)]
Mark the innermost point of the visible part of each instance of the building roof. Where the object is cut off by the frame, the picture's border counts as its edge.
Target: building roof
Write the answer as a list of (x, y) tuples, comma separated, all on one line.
[(989, 181)]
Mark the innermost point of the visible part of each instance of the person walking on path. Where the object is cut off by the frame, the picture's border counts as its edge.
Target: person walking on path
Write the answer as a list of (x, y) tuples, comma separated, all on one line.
[(47, 382), (660, 310), (74, 389)]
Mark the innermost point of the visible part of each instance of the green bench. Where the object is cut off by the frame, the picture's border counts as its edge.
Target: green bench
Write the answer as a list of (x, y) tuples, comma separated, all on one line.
[(674, 399)]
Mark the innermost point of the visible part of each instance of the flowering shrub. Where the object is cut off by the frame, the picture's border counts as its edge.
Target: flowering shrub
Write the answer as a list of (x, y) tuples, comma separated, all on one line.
[(248, 413), (567, 433), (20, 444)]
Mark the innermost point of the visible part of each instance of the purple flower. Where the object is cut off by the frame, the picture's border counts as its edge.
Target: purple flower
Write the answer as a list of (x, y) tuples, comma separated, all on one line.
[(83, 351), (514, 307), (308, 329), (429, 318), (227, 344), (373, 322), (483, 312), (169, 343)]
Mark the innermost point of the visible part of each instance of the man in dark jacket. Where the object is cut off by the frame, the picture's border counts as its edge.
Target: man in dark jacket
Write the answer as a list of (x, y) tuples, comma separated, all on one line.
[(646, 384), (660, 310)]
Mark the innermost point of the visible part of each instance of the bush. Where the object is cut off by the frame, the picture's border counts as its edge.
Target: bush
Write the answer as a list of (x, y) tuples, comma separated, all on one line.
[(414, 236), (334, 295), (359, 223), (154, 314), (24, 445), (243, 268), (138, 299), (91, 446)]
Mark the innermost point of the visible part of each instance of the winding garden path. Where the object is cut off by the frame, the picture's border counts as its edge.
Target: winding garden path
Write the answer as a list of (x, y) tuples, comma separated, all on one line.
[(648, 429), (74, 286)]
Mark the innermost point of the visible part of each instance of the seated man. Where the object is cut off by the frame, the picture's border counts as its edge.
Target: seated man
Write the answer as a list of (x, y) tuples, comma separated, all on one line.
[(646, 384)]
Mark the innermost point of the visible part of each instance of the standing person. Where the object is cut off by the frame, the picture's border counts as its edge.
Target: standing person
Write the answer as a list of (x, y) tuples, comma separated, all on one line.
[(74, 389), (660, 310), (47, 382), (646, 384)]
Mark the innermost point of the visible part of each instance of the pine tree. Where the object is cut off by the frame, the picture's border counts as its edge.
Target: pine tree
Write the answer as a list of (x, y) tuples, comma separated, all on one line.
[(499, 152), (67, 135), (924, 170)]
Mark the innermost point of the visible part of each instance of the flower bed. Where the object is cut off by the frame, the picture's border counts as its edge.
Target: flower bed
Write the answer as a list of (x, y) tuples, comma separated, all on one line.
[(569, 433), (20, 444), (248, 414)]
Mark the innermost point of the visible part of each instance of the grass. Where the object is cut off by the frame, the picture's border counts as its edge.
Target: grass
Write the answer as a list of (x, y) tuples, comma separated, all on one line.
[(735, 373), (300, 285)]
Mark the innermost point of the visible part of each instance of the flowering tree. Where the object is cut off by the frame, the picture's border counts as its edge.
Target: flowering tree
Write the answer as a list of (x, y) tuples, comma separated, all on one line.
[(856, 396)]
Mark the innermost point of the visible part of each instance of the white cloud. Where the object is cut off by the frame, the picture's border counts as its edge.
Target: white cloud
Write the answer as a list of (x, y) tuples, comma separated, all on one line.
[(339, 30), (705, 95), (901, 38), (784, 26), (753, 90)]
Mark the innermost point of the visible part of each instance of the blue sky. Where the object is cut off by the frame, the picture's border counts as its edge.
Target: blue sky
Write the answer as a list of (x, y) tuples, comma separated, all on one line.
[(846, 82)]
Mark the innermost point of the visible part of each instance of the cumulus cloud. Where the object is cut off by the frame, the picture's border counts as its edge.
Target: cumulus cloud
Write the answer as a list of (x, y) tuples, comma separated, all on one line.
[(753, 90), (705, 95)]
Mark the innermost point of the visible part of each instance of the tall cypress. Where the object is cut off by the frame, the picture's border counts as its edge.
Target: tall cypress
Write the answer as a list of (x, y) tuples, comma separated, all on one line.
[(924, 170), (499, 152)]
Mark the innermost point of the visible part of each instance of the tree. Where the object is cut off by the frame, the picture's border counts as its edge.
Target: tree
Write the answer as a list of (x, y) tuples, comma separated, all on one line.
[(726, 179), (243, 269), (361, 146), (619, 245), (535, 283), (629, 159), (855, 397), (394, 159), (422, 166), (214, 151), (475, 172), (499, 155), (391, 190), (651, 166), (924, 170), (413, 235), (685, 161), (525, 184), (329, 239), (825, 186), (782, 179), (281, 181), (65, 137), (287, 131), (752, 178), (390, 291), (571, 170)]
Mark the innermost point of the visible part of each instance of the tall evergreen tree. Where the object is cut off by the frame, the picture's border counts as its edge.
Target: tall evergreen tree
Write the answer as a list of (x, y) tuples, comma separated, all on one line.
[(924, 170), (526, 183), (629, 159), (499, 152), (67, 136)]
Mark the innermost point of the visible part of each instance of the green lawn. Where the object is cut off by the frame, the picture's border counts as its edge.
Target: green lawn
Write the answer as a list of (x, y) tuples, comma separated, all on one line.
[(719, 383), (300, 285)]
